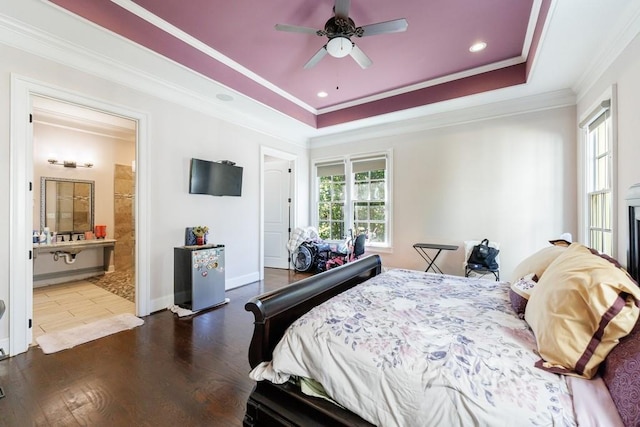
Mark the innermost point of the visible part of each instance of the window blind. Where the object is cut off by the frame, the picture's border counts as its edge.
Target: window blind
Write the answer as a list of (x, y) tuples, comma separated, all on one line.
[(368, 164), (329, 169), (603, 108)]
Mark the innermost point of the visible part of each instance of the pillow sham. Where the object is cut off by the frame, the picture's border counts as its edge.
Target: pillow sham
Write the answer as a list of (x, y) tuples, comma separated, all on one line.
[(520, 291), (537, 263), (580, 309)]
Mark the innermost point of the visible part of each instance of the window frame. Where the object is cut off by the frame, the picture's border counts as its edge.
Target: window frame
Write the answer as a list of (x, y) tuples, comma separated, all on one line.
[(350, 199), (589, 169)]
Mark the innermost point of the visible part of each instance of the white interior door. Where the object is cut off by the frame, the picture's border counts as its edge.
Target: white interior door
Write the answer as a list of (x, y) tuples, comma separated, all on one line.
[(277, 202)]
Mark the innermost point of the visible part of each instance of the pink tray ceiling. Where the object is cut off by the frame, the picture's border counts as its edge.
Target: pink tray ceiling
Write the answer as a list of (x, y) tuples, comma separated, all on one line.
[(435, 46)]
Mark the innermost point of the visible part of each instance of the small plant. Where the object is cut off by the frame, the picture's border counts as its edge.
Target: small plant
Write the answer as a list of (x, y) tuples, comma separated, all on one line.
[(200, 230)]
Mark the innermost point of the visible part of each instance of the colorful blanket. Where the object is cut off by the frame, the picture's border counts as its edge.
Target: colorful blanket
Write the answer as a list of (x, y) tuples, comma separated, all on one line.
[(412, 348)]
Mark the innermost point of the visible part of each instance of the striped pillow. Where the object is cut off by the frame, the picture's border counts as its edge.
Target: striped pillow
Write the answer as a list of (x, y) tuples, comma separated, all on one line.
[(579, 310)]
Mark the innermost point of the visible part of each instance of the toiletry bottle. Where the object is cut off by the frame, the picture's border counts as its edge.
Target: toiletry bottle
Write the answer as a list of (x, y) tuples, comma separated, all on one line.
[(43, 238), (36, 236), (47, 235)]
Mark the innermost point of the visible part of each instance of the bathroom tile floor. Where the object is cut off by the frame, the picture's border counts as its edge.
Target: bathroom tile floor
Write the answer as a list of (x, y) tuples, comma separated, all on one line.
[(63, 306)]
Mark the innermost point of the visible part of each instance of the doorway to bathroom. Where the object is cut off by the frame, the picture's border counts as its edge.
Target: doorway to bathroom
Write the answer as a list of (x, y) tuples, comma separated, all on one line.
[(76, 147), (22, 201)]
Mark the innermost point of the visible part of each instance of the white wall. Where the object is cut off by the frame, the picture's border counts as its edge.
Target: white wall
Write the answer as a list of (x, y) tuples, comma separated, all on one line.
[(509, 179), (176, 134), (624, 74)]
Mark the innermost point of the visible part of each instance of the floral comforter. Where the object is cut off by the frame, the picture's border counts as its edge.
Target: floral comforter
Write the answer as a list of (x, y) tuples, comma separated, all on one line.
[(409, 348)]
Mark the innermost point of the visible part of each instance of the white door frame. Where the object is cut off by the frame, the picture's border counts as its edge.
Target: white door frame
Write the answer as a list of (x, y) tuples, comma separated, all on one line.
[(20, 307), (267, 151)]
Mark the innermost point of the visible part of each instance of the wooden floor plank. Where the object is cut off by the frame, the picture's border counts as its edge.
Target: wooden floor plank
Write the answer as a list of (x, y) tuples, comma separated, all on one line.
[(189, 371)]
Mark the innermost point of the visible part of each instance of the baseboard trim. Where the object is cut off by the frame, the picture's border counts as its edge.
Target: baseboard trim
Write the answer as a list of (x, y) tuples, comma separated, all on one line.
[(166, 301)]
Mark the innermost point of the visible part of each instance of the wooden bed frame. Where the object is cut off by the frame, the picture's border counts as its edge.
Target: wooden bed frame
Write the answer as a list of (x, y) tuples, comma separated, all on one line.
[(285, 405)]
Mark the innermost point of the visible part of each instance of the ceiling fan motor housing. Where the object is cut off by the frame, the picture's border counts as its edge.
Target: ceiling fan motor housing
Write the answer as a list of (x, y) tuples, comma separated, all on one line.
[(341, 27)]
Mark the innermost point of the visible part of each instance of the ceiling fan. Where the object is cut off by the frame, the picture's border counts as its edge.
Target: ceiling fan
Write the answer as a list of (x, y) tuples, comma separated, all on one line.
[(339, 29)]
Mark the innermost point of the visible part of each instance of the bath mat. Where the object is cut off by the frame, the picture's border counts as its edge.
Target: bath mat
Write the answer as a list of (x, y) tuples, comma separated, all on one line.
[(62, 340)]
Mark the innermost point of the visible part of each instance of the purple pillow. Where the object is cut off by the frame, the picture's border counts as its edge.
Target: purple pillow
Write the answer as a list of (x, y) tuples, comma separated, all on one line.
[(621, 374), (520, 291), (518, 303)]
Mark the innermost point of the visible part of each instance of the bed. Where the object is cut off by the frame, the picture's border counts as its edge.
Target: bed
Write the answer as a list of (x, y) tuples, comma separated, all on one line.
[(412, 348)]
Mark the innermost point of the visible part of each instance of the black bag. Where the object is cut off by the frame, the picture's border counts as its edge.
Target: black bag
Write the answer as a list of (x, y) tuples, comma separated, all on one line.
[(483, 256)]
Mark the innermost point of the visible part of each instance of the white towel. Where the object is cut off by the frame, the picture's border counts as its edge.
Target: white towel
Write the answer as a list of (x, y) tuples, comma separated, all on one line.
[(181, 312)]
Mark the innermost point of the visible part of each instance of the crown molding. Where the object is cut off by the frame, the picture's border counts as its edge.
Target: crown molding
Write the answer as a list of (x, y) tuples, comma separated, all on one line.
[(628, 30), (165, 26), (457, 115), (25, 37), (422, 85)]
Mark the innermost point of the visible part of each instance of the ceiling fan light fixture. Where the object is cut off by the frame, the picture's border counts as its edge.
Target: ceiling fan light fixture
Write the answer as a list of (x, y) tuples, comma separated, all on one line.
[(339, 47)]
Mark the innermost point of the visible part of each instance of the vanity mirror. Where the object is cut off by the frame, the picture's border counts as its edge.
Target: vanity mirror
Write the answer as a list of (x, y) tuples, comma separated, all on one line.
[(66, 205)]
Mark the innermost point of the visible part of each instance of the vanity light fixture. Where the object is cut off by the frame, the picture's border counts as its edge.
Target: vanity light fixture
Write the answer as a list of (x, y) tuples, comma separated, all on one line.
[(69, 164)]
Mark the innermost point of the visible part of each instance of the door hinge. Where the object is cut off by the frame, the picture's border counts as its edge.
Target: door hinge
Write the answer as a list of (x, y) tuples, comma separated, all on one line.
[(289, 170), (30, 118), (289, 200), (289, 229), (30, 254), (30, 186), (30, 323)]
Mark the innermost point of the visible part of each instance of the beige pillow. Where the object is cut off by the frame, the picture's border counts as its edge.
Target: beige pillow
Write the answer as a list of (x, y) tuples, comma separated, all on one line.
[(579, 310), (537, 263)]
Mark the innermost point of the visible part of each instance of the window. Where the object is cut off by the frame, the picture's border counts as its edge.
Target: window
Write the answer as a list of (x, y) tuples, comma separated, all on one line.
[(599, 180), (353, 194), (331, 201)]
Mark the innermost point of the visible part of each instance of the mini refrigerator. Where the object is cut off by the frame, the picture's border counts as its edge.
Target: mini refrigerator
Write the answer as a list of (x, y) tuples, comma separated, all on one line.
[(198, 276)]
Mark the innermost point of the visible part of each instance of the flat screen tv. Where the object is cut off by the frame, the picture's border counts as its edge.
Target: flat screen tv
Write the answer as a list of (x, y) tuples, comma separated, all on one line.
[(215, 178)]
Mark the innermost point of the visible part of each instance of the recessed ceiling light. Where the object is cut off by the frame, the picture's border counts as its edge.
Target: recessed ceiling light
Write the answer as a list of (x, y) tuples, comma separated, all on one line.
[(224, 97), (477, 47), (322, 94)]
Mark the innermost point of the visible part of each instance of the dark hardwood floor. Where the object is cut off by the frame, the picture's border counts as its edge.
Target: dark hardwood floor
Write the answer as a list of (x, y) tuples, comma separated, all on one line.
[(169, 372)]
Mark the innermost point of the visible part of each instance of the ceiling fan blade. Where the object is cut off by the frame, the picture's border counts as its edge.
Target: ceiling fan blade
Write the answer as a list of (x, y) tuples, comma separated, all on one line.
[(395, 26), (316, 58), (341, 8), (296, 29), (360, 57)]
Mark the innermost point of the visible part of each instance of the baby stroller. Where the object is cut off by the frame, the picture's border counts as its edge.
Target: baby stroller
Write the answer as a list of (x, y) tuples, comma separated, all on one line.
[(321, 256)]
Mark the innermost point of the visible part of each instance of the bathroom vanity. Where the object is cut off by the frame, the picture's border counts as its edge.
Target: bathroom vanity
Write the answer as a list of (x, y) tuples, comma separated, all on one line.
[(67, 209), (72, 260)]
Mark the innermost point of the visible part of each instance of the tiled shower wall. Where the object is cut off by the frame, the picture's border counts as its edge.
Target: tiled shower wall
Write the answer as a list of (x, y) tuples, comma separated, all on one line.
[(124, 218)]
